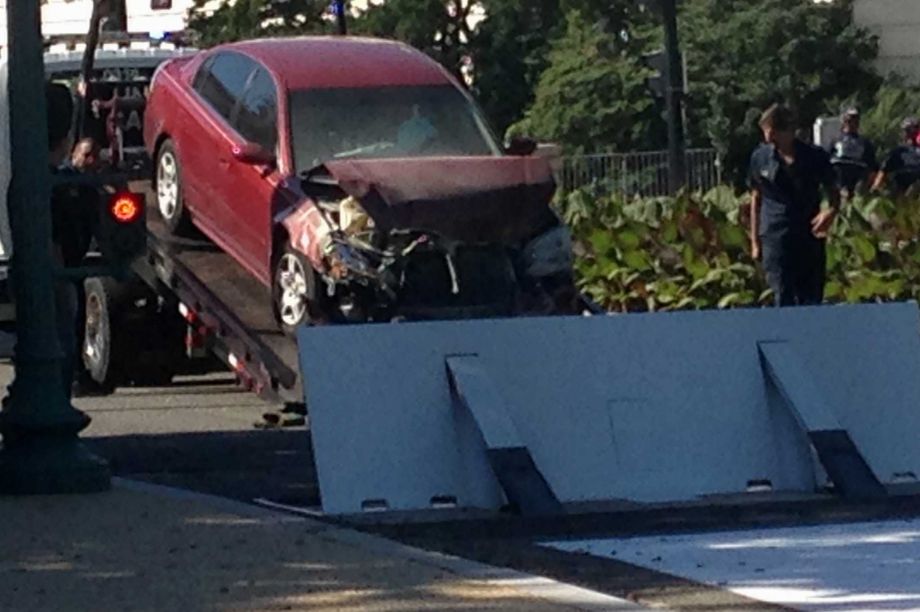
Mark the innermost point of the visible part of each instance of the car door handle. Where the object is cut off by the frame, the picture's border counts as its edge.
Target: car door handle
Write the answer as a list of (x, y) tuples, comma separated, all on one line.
[(223, 163)]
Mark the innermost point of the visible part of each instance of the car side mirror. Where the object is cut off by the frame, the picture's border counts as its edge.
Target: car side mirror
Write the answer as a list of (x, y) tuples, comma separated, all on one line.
[(521, 146), (251, 153)]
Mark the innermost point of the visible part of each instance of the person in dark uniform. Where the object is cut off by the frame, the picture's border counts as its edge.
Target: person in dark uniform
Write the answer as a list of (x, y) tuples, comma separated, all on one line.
[(903, 163), (83, 202), (788, 224), (853, 156), (74, 213)]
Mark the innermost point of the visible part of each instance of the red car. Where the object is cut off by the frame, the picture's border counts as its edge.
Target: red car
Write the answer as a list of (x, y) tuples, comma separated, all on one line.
[(357, 179)]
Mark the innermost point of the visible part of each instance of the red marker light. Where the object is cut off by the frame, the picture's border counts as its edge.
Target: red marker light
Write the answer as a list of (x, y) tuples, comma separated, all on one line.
[(126, 208)]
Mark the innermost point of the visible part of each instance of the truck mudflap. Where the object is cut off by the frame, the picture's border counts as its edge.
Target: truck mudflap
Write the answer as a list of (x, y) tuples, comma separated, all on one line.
[(543, 414)]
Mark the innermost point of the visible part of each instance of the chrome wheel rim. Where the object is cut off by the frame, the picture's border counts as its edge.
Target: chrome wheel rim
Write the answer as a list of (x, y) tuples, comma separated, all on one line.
[(292, 285), (168, 185), (94, 342)]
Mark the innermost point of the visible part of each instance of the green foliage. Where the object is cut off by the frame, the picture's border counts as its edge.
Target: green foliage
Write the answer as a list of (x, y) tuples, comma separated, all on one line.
[(692, 252), (440, 28), (744, 55), (509, 52), (593, 94), (882, 120), (236, 20)]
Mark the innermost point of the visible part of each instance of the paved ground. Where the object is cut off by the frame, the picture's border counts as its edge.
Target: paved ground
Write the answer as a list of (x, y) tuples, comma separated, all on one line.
[(854, 566), (198, 436), (149, 547), (141, 549)]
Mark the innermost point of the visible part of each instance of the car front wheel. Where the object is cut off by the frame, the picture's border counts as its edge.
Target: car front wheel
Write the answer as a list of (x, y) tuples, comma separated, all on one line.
[(293, 290)]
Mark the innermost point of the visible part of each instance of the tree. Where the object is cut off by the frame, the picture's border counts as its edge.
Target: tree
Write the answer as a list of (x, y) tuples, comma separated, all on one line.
[(440, 28), (509, 53), (510, 48), (743, 55), (241, 19), (593, 95)]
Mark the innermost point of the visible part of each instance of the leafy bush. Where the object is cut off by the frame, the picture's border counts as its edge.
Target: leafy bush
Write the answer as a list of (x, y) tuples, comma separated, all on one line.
[(692, 251), (882, 121)]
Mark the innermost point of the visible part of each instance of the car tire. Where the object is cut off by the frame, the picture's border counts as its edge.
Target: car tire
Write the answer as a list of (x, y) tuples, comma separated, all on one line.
[(169, 193), (294, 296), (102, 353)]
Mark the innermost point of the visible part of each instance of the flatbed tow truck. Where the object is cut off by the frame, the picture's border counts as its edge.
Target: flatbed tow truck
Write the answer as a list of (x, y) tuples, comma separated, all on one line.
[(186, 301)]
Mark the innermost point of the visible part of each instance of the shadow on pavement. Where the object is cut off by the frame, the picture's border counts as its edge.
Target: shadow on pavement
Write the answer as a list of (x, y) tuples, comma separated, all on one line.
[(242, 465), (135, 550)]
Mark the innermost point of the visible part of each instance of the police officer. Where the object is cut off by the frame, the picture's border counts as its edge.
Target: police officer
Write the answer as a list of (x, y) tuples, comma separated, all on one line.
[(788, 224), (853, 156), (903, 163), (81, 204), (74, 210)]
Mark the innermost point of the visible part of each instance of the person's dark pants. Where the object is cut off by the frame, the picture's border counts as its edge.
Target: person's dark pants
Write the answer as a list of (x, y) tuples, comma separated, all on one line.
[(795, 268), (849, 178)]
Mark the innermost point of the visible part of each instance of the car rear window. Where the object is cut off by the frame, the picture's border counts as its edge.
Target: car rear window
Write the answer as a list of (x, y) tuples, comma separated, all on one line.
[(398, 121)]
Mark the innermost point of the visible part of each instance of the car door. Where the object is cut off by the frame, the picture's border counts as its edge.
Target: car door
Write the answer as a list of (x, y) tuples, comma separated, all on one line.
[(220, 84), (249, 196)]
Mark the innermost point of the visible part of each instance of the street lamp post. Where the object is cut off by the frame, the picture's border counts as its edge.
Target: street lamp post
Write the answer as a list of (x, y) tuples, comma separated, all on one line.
[(677, 172), (41, 450)]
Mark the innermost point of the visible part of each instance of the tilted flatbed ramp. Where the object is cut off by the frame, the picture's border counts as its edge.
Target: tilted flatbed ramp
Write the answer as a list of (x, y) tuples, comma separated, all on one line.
[(228, 306)]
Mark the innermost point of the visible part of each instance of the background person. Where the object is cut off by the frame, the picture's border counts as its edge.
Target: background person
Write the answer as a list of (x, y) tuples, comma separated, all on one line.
[(788, 225), (903, 163), (853, 156), (84, 201), (73, 212), (85, 156)]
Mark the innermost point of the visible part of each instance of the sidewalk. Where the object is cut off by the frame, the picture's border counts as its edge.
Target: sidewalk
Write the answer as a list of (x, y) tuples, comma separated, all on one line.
[(141, 547)]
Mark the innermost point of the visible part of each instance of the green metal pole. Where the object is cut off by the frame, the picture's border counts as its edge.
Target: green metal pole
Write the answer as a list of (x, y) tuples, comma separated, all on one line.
[(677, 172), (41, 452)]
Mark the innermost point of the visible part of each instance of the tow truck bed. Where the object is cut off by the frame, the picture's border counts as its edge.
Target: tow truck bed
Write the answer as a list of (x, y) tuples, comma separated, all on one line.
[(227, 307)]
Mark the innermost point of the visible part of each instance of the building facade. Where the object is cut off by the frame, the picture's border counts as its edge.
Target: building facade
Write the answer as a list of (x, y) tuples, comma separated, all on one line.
[(897, 24)]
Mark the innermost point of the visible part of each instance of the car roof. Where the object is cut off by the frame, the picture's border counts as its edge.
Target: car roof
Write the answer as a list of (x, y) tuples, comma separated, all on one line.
[(342, 61)]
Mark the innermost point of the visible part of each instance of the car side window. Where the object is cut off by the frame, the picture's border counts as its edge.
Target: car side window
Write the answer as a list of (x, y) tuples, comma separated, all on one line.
[(257, 115), (223, 83), (203, 74)]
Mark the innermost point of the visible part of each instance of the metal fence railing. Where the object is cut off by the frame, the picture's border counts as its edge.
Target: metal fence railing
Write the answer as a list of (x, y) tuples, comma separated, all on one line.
[(642, 174)]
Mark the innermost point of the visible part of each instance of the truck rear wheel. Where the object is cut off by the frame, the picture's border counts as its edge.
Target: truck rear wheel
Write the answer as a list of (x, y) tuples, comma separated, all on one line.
[(102, 355), (127, 338)]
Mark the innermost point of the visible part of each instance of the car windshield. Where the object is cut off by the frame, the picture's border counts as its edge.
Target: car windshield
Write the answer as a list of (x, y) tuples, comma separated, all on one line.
[(380, 122)]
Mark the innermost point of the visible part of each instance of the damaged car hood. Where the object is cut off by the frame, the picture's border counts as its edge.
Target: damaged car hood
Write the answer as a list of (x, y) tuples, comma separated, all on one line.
[(471, 199)]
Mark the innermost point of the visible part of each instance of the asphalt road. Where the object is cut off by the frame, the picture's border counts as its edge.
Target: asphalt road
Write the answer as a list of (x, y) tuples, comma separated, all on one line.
[(198, 434)]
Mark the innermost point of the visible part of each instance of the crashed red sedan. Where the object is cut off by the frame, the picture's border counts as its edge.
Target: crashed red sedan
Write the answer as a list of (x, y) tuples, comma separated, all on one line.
[(358, 180)]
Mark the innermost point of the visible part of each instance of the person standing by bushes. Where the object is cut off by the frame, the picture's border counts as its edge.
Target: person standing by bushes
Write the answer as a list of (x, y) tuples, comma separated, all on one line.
[(788, 224), (853, 156), (903, 163)]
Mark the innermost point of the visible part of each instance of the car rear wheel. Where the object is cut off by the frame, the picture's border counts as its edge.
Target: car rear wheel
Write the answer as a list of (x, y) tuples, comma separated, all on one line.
[(170, 200), (293, 290)]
